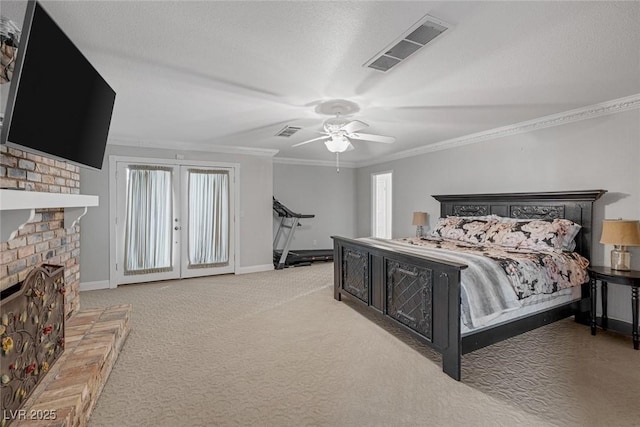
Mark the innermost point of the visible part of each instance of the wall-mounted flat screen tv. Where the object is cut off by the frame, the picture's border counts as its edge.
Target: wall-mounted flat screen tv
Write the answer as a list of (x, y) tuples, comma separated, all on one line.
[(57, 104)]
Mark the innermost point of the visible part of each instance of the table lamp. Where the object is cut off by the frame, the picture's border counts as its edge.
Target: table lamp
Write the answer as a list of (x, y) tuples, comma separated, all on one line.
[(419, 220), (620, 233)]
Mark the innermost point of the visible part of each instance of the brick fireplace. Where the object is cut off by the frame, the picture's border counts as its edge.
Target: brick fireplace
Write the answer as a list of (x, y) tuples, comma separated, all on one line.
[(43, 239), (67, 391)]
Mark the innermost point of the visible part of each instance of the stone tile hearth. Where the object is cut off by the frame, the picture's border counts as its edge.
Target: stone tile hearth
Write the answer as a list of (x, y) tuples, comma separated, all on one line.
[(68, 394)]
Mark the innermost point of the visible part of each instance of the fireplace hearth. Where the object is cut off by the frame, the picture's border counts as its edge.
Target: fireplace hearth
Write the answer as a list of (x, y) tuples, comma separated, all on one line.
[(31, 332)]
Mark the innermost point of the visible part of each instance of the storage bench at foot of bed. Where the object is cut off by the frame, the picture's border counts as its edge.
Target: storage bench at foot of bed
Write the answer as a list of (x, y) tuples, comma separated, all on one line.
[(418, 294)]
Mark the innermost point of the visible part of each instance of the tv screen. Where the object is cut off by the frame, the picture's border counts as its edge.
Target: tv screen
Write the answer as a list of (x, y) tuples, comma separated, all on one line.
[(58, 104)]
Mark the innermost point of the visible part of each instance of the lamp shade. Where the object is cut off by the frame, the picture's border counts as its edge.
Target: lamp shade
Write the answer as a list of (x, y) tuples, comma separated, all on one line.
[(419, 218), (623, 232)]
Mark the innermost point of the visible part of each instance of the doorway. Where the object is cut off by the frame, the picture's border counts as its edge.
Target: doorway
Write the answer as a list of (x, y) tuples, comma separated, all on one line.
[(381, 205), (173, 220)]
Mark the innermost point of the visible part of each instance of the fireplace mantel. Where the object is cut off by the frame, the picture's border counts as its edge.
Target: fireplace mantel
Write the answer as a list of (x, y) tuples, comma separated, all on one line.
[(18, 207)]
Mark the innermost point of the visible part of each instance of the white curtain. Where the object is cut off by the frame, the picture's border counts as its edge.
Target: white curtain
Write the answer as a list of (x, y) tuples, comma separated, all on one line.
[(208, 218), (148, 239)]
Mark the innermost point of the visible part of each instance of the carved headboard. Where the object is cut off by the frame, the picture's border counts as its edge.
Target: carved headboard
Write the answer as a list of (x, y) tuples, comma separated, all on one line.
[(576, 206)]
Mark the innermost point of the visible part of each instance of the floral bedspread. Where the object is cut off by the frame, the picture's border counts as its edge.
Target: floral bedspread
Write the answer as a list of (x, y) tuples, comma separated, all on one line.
[(530, 272)]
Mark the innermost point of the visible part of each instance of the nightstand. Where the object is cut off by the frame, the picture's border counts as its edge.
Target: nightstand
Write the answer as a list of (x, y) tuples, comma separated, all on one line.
[(606, 275)]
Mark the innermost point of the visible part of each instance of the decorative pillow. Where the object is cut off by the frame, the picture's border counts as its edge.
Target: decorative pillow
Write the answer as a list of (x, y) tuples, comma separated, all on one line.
[(464, 229), (569, 230), (534, 234)]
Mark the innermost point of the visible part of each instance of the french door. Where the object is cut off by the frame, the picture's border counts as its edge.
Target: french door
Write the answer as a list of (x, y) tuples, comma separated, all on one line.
[(173, 221), (208, 221)]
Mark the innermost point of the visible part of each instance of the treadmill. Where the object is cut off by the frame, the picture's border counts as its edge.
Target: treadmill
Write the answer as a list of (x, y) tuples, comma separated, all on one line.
[(285, 257)]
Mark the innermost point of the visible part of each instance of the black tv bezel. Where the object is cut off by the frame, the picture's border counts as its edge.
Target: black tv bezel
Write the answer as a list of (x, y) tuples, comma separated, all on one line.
[(15, 83)]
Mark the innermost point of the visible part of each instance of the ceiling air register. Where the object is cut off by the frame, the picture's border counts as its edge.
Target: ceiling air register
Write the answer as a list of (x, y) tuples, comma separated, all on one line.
[(422, 33)]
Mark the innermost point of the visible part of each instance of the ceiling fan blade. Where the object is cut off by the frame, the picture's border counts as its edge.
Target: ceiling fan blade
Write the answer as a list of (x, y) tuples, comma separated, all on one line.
[(350, 147), (354, 126), (310, 140), (373, 138)]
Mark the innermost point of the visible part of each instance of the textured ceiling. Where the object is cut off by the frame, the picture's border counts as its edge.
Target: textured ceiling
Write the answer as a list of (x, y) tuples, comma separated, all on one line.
[(235, 73)]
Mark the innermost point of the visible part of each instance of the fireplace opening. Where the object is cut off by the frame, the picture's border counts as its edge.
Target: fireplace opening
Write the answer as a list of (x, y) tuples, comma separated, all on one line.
[(10, 291)]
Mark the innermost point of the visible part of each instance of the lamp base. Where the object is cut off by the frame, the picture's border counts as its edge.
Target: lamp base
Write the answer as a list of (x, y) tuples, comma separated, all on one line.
[(620, 258), (419, 231)]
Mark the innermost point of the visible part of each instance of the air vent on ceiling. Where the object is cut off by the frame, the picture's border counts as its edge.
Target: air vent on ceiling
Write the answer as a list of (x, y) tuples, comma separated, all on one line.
[(419, 35), (287, 131)]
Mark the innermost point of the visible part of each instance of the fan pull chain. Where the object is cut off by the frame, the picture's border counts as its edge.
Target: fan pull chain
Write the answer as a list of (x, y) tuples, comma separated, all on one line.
[(337, 162)]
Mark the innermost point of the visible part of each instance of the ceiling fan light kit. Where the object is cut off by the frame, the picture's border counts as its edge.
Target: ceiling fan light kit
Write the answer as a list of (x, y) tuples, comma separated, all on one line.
[(338, 144)]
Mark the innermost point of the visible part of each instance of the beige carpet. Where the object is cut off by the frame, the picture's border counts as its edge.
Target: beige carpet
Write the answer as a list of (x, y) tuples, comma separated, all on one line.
[(276, 349)]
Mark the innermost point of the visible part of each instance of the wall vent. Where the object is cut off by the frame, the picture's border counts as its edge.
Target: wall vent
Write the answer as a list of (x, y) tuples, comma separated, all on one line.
[(287, 131), (419, 35)]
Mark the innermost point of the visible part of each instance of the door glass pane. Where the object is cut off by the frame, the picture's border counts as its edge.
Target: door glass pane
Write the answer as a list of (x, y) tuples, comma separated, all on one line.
[(208, 218), (148, 229)]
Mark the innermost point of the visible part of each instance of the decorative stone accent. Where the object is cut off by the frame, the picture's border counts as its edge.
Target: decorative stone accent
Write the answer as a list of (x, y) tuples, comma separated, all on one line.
[(69, 393)]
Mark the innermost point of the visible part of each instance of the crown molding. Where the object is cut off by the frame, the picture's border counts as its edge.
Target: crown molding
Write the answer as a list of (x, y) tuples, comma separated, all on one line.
[(310, 162), (589, 112), (592, 111), (192, 146)]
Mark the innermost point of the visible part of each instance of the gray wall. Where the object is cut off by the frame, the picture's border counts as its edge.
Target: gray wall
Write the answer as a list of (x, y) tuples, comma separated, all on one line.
[(603, 152), (598, 153), (317, 190), (256, 188)]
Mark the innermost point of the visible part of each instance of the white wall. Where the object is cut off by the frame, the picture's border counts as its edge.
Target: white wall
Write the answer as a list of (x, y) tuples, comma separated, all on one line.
[(317, 190), (600, 153), (256, 181)]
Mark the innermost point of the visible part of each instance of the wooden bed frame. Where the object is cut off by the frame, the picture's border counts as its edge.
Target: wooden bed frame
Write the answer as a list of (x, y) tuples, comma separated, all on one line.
[(422, 295)]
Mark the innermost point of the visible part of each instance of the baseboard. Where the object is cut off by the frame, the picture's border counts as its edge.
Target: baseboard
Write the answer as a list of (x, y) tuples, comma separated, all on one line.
[(104, 284), (254, 269), (615, 325), (92, 286)]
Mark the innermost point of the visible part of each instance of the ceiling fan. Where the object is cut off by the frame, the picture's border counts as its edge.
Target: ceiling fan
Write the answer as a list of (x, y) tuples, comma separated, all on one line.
[(338, 133)]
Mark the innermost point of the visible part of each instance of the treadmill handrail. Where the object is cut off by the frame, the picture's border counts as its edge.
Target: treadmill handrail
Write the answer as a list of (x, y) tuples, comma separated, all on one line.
[(283, 211)]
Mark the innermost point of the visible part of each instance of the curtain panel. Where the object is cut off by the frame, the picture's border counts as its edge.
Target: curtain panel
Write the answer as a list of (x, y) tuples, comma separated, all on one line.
[(148, 231), (208, 218)]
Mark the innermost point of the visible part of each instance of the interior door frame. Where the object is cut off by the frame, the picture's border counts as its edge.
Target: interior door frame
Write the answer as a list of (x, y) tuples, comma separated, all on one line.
[(113, 197), (374, 215)]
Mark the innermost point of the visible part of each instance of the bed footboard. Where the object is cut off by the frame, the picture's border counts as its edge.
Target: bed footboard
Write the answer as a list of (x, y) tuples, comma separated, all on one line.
[(417, 293)]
